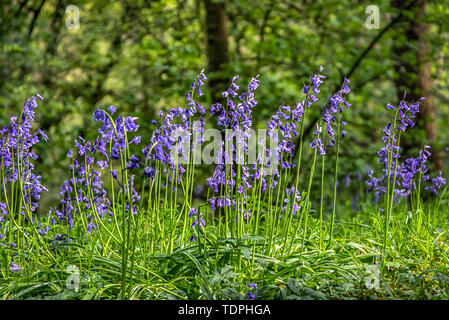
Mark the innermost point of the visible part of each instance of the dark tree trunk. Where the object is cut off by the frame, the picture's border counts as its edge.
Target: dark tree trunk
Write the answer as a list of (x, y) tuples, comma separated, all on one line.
[(217, 46), (429, 112), (52, 45), (217, 54), (413, 74)]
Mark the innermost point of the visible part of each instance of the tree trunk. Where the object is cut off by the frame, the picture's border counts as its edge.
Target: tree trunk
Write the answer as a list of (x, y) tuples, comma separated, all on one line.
[(217, 46), (413, 74), (52, 45), (428, 112)]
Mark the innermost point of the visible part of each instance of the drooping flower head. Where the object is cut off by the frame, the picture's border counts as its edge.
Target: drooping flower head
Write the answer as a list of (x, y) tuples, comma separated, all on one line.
[(17, 157)]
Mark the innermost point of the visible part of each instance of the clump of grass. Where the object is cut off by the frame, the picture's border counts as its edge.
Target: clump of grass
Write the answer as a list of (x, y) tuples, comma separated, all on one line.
[(255, 234)]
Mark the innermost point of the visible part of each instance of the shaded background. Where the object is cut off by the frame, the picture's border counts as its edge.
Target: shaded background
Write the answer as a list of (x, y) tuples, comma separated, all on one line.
[(142, 56)]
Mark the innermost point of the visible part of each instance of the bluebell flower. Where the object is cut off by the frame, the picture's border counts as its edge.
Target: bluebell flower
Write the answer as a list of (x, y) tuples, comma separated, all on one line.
[(14, 267), (437, 183), (252, 286)]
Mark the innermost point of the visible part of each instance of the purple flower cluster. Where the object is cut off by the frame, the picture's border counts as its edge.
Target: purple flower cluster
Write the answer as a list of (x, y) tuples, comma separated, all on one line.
[(182, 129), (3, 213), (16, 156), (437, 183), (89, 160), (114, 133), (291, 201), (176, 130), (17, 140), (252, 287), (193, 105), (317, 142), (61, 239), (86, 175), (15, 267), (286, 121), (222, 176), (215, 182), (198, 221), (402, 120), (332, 117), (236, 115), (406, 171)]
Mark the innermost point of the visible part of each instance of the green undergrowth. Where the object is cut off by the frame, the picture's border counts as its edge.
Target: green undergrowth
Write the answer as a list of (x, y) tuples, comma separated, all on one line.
[(90, 266)]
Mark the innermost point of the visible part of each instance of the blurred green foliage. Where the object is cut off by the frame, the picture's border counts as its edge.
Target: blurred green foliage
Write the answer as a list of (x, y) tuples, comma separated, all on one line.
[(141, 56)]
